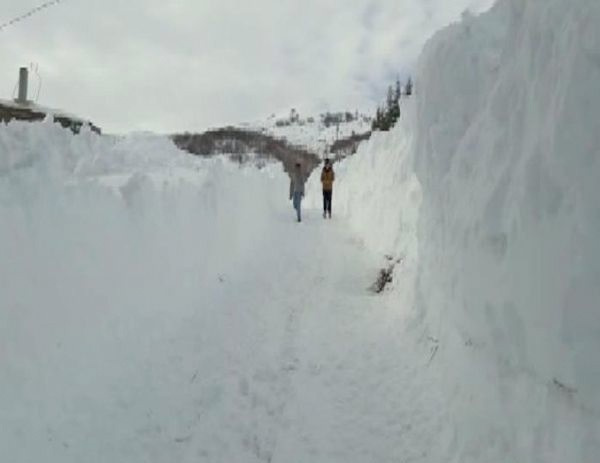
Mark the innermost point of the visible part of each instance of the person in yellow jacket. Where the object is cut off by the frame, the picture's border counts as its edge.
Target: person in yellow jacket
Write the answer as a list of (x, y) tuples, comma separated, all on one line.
[(327, 179)]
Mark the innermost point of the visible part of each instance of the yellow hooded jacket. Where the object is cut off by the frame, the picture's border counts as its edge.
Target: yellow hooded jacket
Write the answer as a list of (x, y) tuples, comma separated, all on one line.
[(327, 178)]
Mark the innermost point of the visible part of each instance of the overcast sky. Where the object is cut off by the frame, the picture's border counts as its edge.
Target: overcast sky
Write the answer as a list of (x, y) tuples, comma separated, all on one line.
[(174, 65)]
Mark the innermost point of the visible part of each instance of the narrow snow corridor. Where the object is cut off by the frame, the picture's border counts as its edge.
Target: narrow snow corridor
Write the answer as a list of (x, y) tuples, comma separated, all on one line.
[(158, 307), (316, 368), (180, 314)]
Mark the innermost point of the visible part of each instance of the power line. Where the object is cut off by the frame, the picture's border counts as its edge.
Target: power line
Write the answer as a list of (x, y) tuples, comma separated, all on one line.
[(28, 14)]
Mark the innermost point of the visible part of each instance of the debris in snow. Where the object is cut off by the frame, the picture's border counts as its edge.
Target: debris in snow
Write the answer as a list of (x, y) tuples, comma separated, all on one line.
[(183, 440), (569, 390), (386, 275), (383, 279)]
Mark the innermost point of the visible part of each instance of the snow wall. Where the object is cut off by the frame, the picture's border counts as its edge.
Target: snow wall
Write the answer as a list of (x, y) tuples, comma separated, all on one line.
[(108, 248), (489, 187)]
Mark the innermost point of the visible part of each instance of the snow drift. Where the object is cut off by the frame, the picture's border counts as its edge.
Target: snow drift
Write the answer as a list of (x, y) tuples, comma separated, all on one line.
[(507, 144), (108, 249), (503, 142)]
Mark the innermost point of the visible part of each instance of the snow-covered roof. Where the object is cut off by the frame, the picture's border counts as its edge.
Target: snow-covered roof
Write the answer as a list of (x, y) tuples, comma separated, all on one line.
[(35, 108)]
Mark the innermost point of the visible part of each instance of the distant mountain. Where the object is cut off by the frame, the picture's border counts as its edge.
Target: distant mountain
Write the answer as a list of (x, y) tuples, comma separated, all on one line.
[(317, 133), (286, 139), (246, 146)]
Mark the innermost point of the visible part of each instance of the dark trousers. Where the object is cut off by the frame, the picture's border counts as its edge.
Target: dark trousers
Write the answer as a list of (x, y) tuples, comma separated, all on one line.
[(297, 203), (327, 201)]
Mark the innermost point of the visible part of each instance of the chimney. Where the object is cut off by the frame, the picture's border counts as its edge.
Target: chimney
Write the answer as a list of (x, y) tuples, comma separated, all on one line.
[(23, 81)]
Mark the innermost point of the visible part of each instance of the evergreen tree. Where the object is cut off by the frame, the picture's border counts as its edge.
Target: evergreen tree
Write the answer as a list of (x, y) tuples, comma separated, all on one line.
[(408, 88), (378, 121), (395, 110), (389, 109), (375, 122), (388, 114)]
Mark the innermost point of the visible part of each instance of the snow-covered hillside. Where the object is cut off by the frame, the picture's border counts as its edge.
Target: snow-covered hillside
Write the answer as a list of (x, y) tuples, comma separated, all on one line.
[(315, 133), (284, 140)]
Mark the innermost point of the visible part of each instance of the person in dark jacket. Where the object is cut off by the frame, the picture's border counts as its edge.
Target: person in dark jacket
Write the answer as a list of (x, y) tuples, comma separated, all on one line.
[(297, 189), (327, 179)]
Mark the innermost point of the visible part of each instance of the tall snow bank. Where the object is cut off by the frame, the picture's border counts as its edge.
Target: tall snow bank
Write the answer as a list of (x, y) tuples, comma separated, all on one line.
[(108, 247), (501, 152), (507, 147), (378, 192)]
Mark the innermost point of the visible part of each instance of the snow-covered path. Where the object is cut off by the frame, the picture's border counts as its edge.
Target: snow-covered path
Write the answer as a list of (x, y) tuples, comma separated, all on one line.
[(188, 322), (293, 360), (317, 369)]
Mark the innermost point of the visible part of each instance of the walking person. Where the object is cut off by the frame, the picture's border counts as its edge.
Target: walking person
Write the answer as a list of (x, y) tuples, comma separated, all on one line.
[(327, 179), (297, 189)]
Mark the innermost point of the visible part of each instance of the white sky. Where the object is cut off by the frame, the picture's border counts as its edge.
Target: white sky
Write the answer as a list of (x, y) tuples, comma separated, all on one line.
[(190, 64)]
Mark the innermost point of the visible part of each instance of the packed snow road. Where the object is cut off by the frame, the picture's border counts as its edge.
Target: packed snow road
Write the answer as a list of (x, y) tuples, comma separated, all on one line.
[(305, 365), (172, 310)]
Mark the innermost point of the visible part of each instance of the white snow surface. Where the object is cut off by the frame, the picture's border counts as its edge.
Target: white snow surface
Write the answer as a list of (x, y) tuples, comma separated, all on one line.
[(159, 307), (507, 148), (490, 185)]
